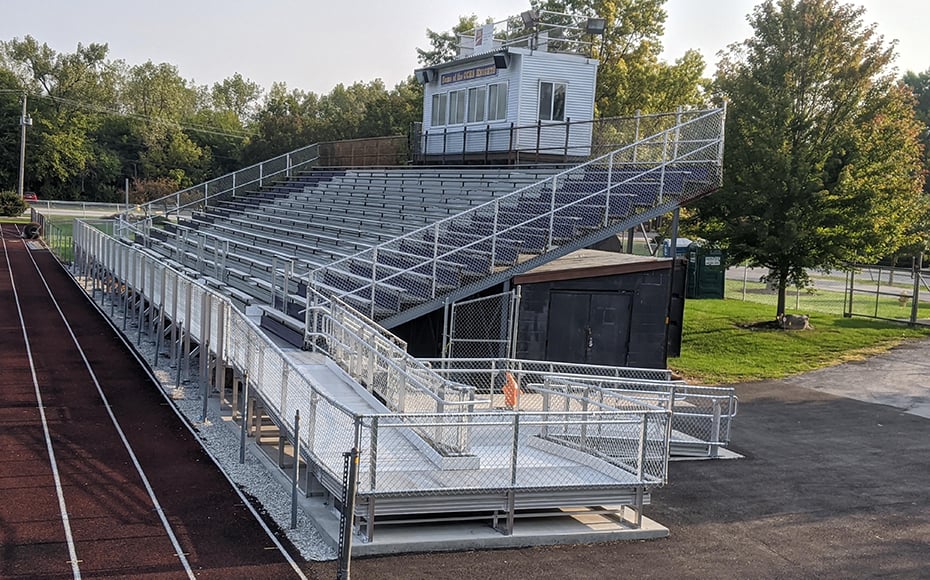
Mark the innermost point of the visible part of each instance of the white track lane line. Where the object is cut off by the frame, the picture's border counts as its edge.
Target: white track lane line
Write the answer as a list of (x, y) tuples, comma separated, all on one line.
[(62, 507), (161, 514), (184, 420)]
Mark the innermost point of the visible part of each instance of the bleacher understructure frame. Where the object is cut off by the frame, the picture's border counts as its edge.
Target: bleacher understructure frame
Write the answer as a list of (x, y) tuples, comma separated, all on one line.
[(204, 269)]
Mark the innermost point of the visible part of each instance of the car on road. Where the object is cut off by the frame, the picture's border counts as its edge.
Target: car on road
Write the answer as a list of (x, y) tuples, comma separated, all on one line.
[(29, 196)]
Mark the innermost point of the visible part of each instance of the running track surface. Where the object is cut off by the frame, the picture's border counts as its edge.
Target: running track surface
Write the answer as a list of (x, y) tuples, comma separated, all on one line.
[(113, 524)]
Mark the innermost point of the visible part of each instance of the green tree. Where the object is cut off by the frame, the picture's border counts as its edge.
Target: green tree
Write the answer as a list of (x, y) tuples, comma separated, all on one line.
[(444, 45), (283, 123), (10, 111), (631, 77), (237, 95), (919, 83), (11, 204), (67, 92), (822, 160)]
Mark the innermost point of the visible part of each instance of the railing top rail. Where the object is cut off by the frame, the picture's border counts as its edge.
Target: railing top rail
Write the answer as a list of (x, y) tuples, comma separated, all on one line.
[(514, 194), (174, 195), (412, 365), (638, 403), (514, 363), (503, 125)]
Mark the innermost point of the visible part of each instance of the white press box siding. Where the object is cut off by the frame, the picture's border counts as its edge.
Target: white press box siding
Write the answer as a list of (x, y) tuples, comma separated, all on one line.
[(525, 72)]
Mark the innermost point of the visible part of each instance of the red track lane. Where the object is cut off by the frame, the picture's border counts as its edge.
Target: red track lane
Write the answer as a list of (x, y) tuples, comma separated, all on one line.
[(116, 529)]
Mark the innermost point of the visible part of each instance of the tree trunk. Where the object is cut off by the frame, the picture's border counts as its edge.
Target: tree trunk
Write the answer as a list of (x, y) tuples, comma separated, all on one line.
[(782, 290)]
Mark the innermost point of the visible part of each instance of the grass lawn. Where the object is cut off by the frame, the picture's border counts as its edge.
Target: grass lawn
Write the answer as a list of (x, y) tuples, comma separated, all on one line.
[(721, 346)]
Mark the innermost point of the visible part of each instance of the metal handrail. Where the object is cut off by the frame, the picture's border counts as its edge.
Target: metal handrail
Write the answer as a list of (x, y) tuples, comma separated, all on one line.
[(233, 177), (440, 253)]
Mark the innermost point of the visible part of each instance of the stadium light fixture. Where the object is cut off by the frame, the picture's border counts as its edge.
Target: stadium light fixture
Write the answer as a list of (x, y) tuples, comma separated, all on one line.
[(595, 26), (530, 18), (425, 76)]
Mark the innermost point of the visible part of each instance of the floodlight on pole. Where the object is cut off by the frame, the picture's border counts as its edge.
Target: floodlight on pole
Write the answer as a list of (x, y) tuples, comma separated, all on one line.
[(24, 121), (595, 26), (530, 18)]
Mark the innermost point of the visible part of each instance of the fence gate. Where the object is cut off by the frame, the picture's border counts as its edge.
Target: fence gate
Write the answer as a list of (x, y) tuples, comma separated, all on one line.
[(482, 327)]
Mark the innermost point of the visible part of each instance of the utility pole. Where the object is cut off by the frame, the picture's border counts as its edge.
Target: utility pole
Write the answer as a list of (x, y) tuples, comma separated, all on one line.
[(24, 120)]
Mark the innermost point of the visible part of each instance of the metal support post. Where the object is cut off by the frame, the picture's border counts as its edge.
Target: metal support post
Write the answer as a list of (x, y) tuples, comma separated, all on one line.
[(296, 477), (243, 418), (350, 477), (915, 293)]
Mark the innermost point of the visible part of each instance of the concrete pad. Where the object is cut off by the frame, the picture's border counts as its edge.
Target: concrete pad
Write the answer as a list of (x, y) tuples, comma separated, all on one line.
[(576, 528), (899, 378)]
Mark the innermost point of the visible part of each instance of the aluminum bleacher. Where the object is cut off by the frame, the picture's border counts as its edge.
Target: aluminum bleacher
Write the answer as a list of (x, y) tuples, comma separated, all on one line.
[(332, 259), (400, 242)]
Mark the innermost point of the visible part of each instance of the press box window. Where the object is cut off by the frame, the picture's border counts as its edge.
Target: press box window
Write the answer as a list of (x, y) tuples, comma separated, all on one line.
[(551, 101), (497, 102), (440, 106), (456, 107), (476, 100)]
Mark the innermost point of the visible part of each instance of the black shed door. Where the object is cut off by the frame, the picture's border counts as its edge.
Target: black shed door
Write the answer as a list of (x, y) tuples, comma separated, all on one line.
[(589, 327)]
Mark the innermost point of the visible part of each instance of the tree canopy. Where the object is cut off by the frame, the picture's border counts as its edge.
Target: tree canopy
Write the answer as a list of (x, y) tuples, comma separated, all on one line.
[(98, 121), (823, 162)]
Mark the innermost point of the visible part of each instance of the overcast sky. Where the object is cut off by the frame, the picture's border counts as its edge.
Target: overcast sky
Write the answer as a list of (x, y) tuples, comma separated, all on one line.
[(313, 45)]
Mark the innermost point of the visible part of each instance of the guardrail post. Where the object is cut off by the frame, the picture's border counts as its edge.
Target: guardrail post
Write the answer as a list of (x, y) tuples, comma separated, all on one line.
[(515, 446), (373, 455), (186, 337), (552, 215), (179, 347), (435, 253), (204, 350), (568, 126), (140, 301), (160, 322), (643, 444), (497, 209), (296, 476), (242, 416), (402, 387), (127, 257), (915, 293), (715, 431), (174, 317), (610, 175), (346, 522), (205, 378)]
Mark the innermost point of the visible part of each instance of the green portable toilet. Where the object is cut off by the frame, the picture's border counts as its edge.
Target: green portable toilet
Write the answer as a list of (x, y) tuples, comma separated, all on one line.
[(706, 272)]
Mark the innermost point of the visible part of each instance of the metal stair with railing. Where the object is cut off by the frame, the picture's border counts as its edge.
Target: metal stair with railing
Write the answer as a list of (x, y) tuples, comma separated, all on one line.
[(484, 245)]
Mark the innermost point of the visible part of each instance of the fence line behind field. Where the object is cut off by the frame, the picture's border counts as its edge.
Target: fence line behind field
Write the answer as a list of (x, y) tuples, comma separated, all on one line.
[(869, 291)]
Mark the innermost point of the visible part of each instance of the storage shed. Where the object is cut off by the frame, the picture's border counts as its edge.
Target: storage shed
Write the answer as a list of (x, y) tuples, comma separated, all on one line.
[(598, 307)]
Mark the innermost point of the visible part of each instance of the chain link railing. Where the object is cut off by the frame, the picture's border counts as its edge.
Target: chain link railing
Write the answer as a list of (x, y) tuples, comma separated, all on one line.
[(701, 415), (489, 375), (481, 327), (198, 197), (446, 449)]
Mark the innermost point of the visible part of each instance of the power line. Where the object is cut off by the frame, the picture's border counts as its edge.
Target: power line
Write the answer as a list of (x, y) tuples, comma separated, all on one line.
[(163, 121), (168, 122)]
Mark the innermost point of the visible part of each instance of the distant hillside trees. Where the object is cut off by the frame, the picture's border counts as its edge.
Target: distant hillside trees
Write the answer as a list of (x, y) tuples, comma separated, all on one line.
[(97, 121)]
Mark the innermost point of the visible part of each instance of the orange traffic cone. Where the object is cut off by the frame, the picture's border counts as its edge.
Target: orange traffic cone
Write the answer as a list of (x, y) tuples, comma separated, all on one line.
[(512, 391)]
